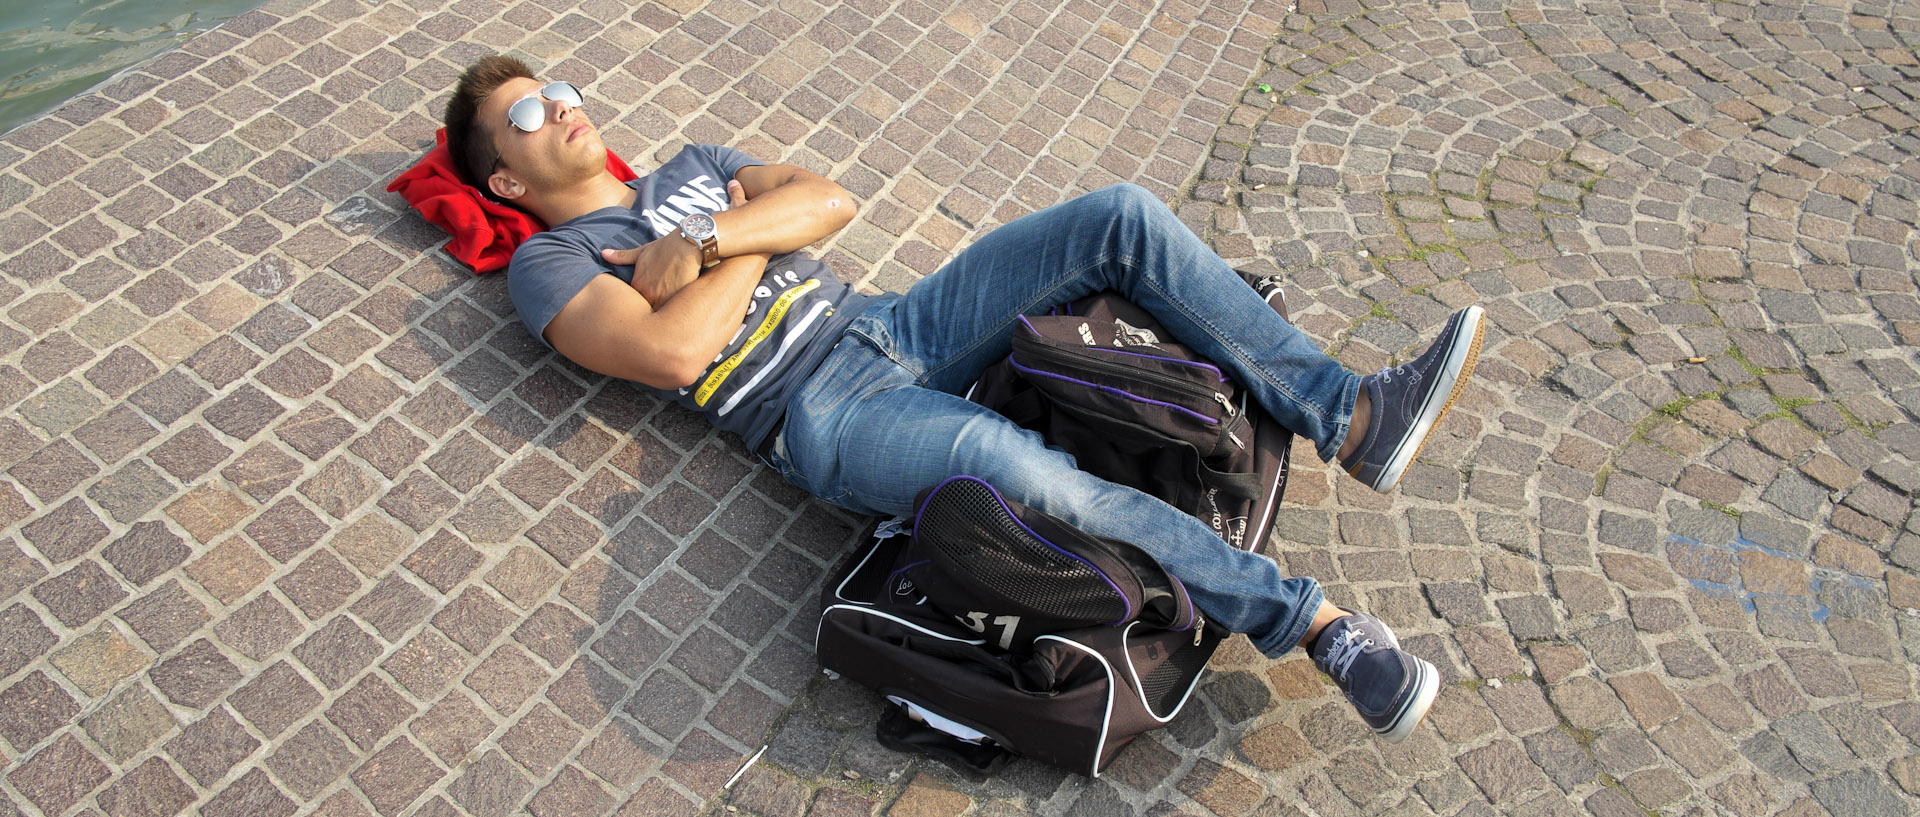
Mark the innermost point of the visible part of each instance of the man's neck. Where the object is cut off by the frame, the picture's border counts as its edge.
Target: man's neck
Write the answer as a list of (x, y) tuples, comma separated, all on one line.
[(596, 192)]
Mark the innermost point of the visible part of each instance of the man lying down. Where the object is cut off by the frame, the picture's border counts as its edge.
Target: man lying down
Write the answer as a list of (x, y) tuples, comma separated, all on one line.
[(690, 281)]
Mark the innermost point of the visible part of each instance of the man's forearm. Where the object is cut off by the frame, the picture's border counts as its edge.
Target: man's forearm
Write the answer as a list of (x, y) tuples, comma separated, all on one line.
[(705, 314), (785, 218)]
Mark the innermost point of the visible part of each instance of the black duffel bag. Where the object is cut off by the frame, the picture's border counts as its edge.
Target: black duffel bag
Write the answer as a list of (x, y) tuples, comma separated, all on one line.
[(1103, 381), (990, 650), (954, 644)]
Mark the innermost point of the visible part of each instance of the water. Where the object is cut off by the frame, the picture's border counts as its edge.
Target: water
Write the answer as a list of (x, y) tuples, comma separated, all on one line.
[(54, 50)]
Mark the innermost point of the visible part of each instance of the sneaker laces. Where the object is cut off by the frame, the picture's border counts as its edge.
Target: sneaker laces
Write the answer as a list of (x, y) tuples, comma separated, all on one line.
[(1386, 374), (1347, 646)]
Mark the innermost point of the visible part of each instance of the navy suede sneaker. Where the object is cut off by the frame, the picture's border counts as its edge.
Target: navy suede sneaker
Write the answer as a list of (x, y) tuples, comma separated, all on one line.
[(1409, 400), (1390, 687)]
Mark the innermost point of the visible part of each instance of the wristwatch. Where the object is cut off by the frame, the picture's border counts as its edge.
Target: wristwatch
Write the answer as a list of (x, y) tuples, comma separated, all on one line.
[(701, 229)]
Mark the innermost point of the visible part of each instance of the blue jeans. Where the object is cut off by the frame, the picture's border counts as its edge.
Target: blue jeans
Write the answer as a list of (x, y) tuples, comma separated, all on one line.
[(881, 418)]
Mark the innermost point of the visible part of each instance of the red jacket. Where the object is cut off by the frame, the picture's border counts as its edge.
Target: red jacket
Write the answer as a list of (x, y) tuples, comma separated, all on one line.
[(485, 232)]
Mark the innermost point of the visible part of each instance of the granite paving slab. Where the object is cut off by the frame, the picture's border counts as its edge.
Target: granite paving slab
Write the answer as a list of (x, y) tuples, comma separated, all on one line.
[(299, 521)]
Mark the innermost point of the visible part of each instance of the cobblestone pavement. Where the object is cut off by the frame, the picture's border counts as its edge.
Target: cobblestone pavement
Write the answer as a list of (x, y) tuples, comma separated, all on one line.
[(299, 521)]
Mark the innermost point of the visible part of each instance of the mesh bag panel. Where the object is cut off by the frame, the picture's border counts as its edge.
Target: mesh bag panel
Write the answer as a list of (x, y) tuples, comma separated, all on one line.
[(976, 536), (1167, 683)]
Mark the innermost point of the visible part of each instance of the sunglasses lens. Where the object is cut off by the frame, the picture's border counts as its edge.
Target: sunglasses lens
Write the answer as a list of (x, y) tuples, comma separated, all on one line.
[(527, 114), (563, 92)]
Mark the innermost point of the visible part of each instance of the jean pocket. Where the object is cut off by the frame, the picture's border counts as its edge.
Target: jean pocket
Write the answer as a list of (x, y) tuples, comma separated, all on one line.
[(871, 330)]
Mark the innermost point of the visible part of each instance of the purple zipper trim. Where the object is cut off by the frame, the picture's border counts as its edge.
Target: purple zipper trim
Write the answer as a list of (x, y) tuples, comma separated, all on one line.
[(1194, 363), (1037, 537), (1174, 360), (1113, 391), (918, 512)]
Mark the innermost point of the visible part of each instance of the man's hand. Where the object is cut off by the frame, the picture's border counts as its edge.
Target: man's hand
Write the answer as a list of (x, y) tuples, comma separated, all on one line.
[(664, 265), (615, 329), (660, 267)]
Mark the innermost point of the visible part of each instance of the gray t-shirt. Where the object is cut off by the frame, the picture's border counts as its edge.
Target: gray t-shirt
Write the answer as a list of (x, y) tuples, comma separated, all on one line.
[(796, 316)]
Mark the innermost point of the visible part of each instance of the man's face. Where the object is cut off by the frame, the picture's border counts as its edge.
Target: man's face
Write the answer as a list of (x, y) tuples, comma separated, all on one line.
[(566, 147)]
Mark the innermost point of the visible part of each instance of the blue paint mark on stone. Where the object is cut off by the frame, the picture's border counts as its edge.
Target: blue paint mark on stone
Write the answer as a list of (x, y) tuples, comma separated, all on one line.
[(1743, 544), (1719, 590), (1713, 570)]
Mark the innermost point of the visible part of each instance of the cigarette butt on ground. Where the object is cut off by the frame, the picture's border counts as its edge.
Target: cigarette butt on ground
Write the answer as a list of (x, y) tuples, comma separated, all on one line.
[(744, 767)]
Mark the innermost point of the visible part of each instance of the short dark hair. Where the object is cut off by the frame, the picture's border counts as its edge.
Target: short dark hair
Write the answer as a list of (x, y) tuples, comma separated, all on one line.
[(470, 141)]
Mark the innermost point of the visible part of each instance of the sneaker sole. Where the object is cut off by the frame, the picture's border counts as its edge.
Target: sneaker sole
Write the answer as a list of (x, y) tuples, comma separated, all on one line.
[(1426, 688), (1454, 381)]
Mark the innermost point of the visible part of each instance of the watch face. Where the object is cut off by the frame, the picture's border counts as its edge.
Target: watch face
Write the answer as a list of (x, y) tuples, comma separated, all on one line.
[(698, 227)]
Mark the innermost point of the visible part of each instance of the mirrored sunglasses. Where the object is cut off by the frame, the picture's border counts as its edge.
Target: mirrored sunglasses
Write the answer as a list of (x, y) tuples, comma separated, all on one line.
[(528, 114)]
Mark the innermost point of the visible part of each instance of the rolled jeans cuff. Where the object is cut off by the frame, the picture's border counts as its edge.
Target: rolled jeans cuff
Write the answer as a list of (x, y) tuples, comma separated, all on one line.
[(1283, 639)]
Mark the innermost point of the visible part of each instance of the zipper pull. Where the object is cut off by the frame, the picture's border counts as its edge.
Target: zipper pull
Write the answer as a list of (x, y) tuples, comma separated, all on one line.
[(1199, 626), (1233, 420)]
